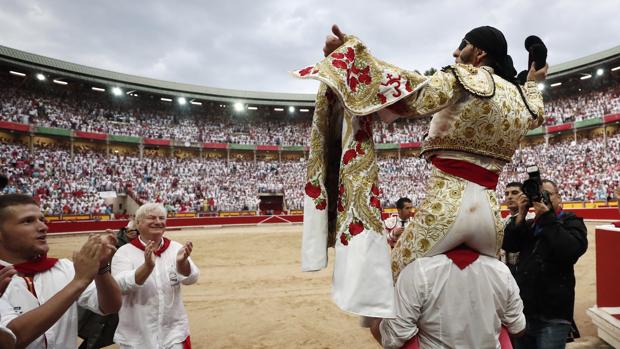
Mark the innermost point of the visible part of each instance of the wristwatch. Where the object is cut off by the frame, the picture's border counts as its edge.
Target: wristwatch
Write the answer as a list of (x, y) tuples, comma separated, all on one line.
[(106, 269)]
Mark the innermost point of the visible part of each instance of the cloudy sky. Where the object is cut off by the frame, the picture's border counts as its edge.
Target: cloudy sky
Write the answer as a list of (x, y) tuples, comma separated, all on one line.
[(250, 45)]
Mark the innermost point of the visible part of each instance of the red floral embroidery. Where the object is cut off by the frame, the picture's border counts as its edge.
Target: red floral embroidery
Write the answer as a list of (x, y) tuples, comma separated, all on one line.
[(348, 156), (356, 227), (382, 98), (305, 71), (321, 205), (343, 239), (340, 194), (374, 202), (359, 149), (339, 64), (355, 75), (375, 190), (313, 191)]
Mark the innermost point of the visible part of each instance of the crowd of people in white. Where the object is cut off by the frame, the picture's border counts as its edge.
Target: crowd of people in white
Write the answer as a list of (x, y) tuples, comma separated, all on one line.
[(583, 106), (586, 171)]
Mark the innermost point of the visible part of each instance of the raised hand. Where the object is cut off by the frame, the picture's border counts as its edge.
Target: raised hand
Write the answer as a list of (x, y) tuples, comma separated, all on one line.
[(334, 41), (108, 247), (537, 75), (86, 260), (6, 275), (149, 254), (184, 252)]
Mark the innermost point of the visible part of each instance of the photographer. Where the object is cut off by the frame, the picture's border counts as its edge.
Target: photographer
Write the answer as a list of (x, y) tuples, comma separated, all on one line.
[(549, 246)]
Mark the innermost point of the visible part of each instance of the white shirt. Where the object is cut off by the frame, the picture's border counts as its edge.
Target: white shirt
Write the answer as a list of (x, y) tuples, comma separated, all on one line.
[(152, 315), (454, 308), (63, 334), (6, 315), (393, 222)]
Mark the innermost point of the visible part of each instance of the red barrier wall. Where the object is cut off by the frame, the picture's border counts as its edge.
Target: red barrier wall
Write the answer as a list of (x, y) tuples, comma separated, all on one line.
[(72, 227), (607, 266)]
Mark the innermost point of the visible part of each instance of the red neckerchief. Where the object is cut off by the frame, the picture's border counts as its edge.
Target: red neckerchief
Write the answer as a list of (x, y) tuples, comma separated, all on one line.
[(136, 242), (35, 266), (462, 256)]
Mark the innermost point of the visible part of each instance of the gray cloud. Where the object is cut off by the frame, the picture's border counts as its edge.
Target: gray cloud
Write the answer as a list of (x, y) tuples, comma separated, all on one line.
[(251, 45)]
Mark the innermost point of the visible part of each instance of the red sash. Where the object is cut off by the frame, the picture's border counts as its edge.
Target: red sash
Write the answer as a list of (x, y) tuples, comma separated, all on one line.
[(136, 242), (35, 266), (468, 171)]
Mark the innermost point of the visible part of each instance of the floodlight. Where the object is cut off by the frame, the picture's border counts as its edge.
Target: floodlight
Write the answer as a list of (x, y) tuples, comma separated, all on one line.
[(117, 91), (40, 77), (238, 106), (182, 101)]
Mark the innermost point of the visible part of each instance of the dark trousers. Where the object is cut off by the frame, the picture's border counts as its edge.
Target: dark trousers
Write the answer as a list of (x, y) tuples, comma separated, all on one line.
[(543, 334)]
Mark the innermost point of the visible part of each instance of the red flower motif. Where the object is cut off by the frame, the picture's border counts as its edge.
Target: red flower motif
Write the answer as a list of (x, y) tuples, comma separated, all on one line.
[(339, 64), (364, 78), (350, 54), (356, 227), (359, 149), (340, 207), (374, 202), (343, 239), (375, 190), (321, 205), (353, 84), (382, 98), (313, 191), (305, 71), (341, 189), (408, 86), (348, 156), (337, 55)]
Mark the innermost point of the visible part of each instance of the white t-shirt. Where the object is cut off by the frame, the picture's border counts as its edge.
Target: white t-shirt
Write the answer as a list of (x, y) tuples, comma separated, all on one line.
[(152, 315), (63, 334), (453, 308)]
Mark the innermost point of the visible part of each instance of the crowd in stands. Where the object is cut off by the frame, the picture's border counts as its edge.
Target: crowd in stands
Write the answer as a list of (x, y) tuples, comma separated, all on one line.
[(64, 185), (583, 106)]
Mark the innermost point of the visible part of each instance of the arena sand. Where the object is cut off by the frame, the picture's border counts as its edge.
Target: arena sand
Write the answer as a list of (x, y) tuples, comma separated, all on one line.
[(251, 293)]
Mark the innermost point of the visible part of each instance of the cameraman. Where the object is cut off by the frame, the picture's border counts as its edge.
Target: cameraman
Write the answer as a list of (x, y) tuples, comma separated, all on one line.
[(549, 246)]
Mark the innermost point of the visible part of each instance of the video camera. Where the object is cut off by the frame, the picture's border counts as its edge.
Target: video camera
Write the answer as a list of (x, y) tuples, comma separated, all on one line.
[(532, 187)]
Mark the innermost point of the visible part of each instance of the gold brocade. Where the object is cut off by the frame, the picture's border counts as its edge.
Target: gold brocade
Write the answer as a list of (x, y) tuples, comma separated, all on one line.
[(432, 220)]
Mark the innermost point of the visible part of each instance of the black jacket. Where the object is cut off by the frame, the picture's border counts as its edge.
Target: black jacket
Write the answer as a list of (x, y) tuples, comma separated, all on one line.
[(545, 272)]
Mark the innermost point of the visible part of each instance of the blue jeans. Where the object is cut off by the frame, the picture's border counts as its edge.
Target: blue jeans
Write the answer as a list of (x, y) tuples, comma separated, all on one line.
[(543, 334)]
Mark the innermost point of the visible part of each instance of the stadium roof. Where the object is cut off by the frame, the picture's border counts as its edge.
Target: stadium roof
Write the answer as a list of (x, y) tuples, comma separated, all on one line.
[(80, 72), (583, 63), (85, 73)]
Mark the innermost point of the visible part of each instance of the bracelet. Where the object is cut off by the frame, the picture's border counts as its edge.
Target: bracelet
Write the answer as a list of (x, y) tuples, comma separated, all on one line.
[(106, 269)]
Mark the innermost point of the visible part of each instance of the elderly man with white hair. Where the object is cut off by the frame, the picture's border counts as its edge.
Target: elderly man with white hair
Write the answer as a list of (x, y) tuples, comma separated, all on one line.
[(150, 270)]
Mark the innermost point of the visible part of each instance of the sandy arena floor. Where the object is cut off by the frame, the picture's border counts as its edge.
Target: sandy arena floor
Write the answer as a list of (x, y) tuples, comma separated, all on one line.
[(251, 293)]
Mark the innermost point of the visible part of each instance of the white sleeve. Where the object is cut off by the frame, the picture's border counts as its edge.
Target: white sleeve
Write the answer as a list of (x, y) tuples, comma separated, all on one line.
[(410, 296), (513, 317), (123, 272), (193, 275), (7, 313)]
